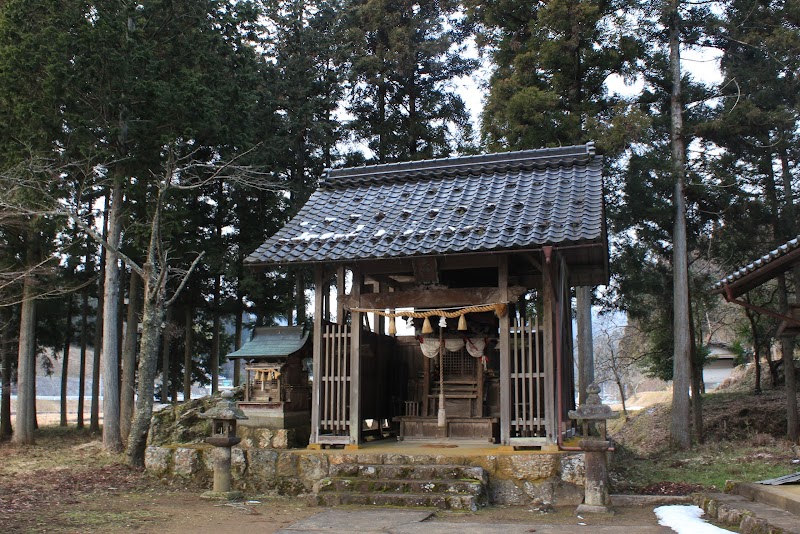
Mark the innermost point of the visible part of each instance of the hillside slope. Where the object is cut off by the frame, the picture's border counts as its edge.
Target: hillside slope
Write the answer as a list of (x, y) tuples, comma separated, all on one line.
[(744, 440)]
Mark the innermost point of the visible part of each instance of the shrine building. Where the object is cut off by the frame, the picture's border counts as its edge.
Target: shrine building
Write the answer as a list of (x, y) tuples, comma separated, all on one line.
[(442, 306)]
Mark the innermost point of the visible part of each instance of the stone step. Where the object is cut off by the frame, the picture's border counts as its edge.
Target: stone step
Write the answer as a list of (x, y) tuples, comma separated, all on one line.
[(748, 516), (427, 500), (409, 472), (421, 487)]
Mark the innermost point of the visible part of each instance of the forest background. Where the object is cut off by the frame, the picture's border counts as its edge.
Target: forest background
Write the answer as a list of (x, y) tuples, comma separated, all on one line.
[(147, 147)]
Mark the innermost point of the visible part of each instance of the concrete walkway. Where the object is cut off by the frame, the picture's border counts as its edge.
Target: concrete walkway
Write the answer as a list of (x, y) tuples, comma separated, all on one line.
[(394, 521)]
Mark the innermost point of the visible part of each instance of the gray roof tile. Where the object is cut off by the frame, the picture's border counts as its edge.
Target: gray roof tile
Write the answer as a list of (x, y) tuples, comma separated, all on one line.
[(479, 203), (271, 341), (766, 259)]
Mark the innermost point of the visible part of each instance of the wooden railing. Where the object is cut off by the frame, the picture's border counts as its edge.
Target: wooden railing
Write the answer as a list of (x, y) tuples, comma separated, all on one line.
[(527, 380), (334, 380)]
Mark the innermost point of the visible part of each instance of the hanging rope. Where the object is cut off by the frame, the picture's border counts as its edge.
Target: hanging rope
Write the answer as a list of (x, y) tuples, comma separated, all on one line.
[(499, 308), (442, 419)]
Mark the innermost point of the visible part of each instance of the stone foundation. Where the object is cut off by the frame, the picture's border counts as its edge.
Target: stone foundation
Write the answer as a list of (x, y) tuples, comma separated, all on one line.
[(525, 478)]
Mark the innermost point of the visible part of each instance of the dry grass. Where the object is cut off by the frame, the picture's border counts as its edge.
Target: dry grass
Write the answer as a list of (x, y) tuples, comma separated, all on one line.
[(744, 440)]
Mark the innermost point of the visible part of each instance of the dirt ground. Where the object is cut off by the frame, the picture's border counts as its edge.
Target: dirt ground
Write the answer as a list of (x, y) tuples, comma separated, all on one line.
[(148, 506), (66, 483)]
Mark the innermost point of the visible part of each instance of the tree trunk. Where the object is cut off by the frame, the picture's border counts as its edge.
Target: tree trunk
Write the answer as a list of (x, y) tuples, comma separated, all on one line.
[(187, 352), (84, 343), (621, 388), (166, 341), (697, 396), (152, 316), (787, 353), (128, 385), (94, 417), (26, 367), (112, 438), (237, 342), (680, 433), (756, 349), (5, 353), (215, 341), (787, 356), (65, 363), (122, 281), (585, 353)]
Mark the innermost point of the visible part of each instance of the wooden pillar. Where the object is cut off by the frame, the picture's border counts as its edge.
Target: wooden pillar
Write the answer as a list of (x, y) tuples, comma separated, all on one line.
[(549, 310), (320, 287), (583, 296), (340, 295), (355, 362), (380, 320), (505, 356), (426, 384)]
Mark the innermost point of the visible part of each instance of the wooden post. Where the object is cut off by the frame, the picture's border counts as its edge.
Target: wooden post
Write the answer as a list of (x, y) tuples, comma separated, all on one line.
[(355, 363), (340, 295), (505, 357), (426, 384), (320, 287), (548, 310), (583, 296)]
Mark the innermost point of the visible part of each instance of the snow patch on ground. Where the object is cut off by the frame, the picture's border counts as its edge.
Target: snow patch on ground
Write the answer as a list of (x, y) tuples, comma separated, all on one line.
[(685, 520)]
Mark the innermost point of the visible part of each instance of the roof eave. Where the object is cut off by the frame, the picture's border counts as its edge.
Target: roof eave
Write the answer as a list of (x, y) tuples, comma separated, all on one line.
[(759, 276)]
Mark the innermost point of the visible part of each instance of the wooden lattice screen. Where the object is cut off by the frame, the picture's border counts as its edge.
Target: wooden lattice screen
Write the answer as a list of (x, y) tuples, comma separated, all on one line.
[(335, 381), (527, 379), (458, 364)]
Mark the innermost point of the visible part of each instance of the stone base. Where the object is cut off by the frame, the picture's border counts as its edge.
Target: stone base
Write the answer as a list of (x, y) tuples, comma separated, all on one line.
[(222, 495), (594, 509), (514, 478)]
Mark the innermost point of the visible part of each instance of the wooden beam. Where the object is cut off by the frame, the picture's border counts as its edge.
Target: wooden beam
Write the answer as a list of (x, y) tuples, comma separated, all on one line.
[(355, 363), (320, 288), (505, 356), (340, 296), (425, 270), (448, 262), (386, 280), (533, 261), (548, 314), (433, 298)]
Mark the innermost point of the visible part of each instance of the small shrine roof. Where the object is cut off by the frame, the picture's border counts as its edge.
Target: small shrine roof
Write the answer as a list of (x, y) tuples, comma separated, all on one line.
[(496, 202), (755, 273), (272, 342)]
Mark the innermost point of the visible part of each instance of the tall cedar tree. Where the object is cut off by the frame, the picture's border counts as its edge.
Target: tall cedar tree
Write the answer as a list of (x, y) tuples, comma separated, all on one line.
[(404, 59), (34, 56), (551, 63), (757, 125)]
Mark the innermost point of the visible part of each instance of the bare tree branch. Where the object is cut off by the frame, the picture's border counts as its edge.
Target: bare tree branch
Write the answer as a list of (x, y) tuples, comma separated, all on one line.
[(185, 279)]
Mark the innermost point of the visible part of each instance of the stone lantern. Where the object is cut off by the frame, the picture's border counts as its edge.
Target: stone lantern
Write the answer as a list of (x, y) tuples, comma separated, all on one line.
[(223, 436), (596, 498)]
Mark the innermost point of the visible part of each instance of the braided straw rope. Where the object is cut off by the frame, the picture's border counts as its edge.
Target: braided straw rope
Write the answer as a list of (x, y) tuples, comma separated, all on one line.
[(499, 309)]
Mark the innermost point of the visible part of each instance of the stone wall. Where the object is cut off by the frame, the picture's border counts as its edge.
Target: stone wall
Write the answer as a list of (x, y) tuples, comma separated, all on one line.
[(527, 478)]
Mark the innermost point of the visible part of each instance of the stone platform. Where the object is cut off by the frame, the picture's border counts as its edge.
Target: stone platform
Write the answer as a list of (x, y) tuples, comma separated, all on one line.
[(511, 477)]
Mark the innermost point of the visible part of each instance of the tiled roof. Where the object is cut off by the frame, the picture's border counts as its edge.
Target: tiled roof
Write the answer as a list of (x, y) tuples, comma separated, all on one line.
[(506, 201), (767, 261), (270, 341)]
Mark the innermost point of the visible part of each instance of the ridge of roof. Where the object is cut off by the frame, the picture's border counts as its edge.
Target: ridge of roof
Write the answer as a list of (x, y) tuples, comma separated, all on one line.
[(452, 166)]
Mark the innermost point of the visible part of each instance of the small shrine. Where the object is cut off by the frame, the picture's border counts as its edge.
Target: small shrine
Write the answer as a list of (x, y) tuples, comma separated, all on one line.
[(277, 393)]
